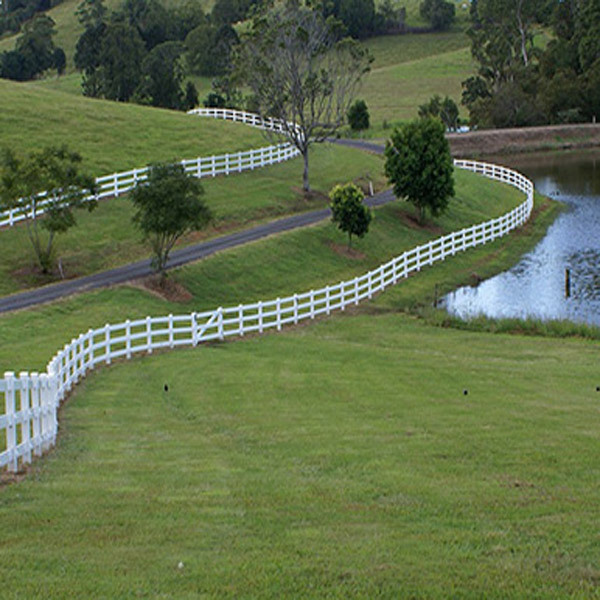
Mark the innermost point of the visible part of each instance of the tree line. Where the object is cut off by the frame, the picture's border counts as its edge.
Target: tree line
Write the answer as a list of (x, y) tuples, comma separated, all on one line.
[(521, 83)]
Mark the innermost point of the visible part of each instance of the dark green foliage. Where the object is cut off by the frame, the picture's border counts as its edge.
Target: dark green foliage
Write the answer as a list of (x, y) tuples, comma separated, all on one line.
[(419, 165), (52, 170), (60, 60), (215, 100), (208, 49), (121, 55), (149, 17), (13, 13), (518, 84), (168, 204), (162, 77), (358, 16), (439, 13), (190, 98), (444, 109), (349, 212), (358, 115), (34, 52)]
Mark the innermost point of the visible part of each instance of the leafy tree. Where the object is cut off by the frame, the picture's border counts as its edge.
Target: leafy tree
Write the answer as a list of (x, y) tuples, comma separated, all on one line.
[(439, 13), (419, 165), (55, 171), (162, 76), (358, 16), (121, 55), (446, 110), (358, 115), (300, 74), (60, 60), (349, 212), (34, 51), (190, 98), (208, 49), (149, 17), (168, 205)]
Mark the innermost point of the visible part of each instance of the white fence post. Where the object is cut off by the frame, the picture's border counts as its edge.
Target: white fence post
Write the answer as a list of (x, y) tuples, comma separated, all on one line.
[(149, 335), (37, 414), (107, 342), (25, 416), (11, 430)]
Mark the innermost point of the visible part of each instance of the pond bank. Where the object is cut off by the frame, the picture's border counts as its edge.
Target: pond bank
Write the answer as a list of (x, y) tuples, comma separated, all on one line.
[(475, 144)]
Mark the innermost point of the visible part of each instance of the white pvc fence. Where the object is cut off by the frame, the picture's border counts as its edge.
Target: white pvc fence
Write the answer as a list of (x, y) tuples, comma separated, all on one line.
[(29, 426), (118, 184), (240, 116)]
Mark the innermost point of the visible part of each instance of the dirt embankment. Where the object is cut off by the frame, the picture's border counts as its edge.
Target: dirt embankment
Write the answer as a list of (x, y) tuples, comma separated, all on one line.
[(530, 139)]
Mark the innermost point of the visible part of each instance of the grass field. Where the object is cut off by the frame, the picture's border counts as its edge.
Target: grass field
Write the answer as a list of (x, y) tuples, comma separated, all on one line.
[(107, 238), (394, 92), (112, 136), (338, 460), (280, 265)]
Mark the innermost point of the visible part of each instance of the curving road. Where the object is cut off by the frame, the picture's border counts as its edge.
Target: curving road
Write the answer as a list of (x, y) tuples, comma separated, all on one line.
[(184, 255)]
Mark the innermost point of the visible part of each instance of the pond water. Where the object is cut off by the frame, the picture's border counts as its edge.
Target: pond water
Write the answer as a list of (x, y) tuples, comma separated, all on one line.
[(535, 287)]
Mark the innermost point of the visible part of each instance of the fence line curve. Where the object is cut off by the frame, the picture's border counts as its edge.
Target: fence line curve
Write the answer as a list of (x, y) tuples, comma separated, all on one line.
[(117, 184), (29, 427)]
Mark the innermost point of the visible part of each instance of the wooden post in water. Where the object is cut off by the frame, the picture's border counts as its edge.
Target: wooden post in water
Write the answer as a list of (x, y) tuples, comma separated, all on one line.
[(567, 283)]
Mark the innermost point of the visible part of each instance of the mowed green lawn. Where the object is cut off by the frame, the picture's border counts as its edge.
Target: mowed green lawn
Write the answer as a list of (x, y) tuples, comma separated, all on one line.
[(338, 460), (394, 92), (112, 136), (278, 266), (107, 237)]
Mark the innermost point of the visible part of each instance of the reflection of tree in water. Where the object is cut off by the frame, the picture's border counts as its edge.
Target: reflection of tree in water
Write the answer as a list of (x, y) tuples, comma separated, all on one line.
[(575, 172), (585, 277)]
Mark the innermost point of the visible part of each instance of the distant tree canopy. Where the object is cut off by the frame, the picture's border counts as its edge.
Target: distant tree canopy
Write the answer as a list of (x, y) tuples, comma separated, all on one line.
[(519, 84), (34, 52), (444, 109), (361, 19), (14, 13), (143, 52), (439, 13)]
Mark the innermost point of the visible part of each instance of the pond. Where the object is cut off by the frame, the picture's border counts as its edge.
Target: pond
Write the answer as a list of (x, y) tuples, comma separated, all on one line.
[(536, 286)]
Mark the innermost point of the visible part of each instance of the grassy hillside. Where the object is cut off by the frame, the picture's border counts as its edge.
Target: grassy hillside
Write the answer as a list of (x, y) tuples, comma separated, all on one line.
[(394, 91), (293, 262), (340, 460), (112, 136), (106, 237)]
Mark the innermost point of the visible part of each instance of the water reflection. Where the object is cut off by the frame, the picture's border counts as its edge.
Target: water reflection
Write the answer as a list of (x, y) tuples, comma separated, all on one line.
[(536, 286)]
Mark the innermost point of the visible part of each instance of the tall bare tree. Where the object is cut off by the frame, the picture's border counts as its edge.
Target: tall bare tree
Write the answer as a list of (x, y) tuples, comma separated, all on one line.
[(301, 74)]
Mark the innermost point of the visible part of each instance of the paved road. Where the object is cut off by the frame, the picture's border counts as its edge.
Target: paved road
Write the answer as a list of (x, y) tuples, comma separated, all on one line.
[(185, 255)]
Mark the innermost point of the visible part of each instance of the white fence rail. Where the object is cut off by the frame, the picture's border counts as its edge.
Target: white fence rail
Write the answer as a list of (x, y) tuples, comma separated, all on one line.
[(30, 427), (240, 116), (118, 184)]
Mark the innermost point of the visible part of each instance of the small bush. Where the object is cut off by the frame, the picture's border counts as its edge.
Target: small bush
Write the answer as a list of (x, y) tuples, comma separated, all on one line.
[(358, 116)]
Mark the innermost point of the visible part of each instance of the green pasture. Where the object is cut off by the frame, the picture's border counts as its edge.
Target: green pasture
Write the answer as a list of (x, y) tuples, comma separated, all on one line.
[(281, 265), (113, 136), (107, 238), (338, 460), (394, 92)]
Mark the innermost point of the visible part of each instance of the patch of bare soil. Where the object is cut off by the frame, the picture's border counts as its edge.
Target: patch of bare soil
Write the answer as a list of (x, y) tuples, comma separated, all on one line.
[(165, 289), (343, 250)]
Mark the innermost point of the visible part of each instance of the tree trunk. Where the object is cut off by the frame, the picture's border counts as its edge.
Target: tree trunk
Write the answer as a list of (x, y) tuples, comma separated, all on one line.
[(421, 214), (305, 182)]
